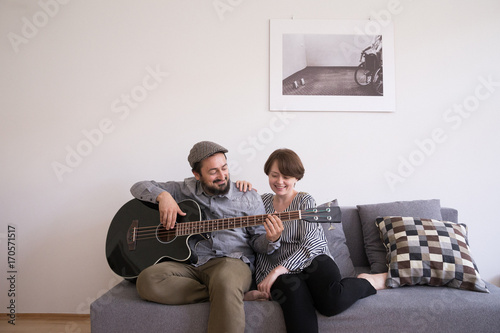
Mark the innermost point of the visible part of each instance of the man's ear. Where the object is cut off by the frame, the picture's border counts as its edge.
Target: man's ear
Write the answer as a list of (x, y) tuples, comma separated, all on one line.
[(197, 175)]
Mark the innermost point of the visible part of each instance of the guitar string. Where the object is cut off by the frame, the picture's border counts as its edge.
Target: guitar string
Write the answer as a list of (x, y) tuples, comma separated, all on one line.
[(258, 218), (151, 231), (197, 224), (168, 235), (231, 221), (193, 225), (187, 228)]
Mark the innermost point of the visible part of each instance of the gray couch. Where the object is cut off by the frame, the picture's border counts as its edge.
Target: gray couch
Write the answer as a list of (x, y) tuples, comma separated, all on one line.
[(356, 245)]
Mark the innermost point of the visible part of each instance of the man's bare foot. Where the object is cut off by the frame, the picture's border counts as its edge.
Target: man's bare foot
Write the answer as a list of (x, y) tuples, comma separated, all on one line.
[(376, 280), (255, 295)]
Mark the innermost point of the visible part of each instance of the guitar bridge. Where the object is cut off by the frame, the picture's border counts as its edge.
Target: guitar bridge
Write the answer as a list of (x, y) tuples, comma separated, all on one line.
[(132, 235)]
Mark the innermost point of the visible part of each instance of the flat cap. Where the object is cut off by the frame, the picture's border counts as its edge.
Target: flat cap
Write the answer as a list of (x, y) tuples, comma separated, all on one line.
[(202, 150)]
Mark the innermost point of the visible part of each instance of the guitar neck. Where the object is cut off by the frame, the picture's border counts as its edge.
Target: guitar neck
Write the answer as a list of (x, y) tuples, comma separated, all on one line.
[(198, 227)]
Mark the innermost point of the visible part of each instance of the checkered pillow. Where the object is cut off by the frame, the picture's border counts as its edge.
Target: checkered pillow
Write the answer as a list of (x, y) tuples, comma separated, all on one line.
[(430, 252)]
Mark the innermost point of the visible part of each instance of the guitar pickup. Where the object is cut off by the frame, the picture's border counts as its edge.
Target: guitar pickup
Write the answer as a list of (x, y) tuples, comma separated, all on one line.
[(132, 235)]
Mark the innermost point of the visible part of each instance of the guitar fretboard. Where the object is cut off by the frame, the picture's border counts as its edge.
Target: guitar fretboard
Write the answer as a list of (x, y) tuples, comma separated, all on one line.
[(198, 227)]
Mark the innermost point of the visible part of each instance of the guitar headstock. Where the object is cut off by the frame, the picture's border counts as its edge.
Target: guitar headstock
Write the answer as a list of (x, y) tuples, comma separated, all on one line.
[(325, 213)]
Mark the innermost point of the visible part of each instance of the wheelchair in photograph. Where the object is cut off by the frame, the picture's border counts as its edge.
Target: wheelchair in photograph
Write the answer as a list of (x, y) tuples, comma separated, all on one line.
[(370, 72)]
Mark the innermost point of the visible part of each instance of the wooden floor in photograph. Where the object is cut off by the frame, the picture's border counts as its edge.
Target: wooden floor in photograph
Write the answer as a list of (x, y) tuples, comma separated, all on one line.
[(46, 323), (326, 81)]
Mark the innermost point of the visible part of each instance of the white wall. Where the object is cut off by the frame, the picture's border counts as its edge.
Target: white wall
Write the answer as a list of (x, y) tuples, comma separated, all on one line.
[(294, 54), (325, 50), (302, 50), (64, 87)]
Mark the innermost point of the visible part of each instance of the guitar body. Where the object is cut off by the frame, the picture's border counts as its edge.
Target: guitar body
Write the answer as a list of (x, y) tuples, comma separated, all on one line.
[(128, 257)]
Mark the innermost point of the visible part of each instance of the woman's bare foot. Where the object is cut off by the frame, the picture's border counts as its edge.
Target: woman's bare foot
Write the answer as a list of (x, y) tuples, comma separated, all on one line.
[(255, 295), (376, 280)]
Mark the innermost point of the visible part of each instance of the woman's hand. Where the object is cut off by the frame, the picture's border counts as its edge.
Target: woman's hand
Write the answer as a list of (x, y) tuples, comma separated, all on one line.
[(274, 228), (267, 283), (244, 186)]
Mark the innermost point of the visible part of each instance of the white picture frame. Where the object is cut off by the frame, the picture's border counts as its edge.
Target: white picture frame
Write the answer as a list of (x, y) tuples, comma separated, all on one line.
[(297, 45)]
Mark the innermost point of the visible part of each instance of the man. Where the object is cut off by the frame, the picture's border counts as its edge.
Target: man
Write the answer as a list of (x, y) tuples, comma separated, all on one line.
[(223, 272)]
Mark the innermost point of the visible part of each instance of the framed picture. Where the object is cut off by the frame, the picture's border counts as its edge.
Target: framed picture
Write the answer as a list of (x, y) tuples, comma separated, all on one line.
[(332, 65)]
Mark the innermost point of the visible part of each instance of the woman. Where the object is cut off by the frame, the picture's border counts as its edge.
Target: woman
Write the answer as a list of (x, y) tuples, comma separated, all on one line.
[(301, 274)]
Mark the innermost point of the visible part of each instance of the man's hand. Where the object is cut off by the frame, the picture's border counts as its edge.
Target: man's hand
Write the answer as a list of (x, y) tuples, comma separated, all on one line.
[(274, 228), (168, 209)]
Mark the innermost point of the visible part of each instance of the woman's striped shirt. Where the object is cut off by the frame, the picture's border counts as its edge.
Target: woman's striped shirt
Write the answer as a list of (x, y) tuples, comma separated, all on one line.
[(301, 241)]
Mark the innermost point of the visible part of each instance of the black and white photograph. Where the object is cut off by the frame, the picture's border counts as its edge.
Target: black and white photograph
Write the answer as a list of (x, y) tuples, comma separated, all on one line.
[(331, 66), (328, 70)]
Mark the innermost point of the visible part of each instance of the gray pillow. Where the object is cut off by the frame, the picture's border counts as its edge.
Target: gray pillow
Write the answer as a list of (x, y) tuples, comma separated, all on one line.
[(375, 250), (335, 236)]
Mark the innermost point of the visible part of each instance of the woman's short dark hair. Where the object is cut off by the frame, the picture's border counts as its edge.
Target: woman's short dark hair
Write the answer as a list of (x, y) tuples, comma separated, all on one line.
[(289, 163)]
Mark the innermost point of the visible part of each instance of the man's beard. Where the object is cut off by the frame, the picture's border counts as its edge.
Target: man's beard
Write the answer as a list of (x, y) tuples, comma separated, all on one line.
[(214, 189)]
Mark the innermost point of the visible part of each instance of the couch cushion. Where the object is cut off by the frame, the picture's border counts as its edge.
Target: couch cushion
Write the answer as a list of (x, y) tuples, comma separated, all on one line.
[(354, 237), (335, 237), (413, 309), (338, 248), (419, 309), (375, 250), (429, 252)]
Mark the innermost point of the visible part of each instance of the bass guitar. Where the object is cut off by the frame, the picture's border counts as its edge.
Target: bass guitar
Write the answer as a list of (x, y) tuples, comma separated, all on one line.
[(136, 239)]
